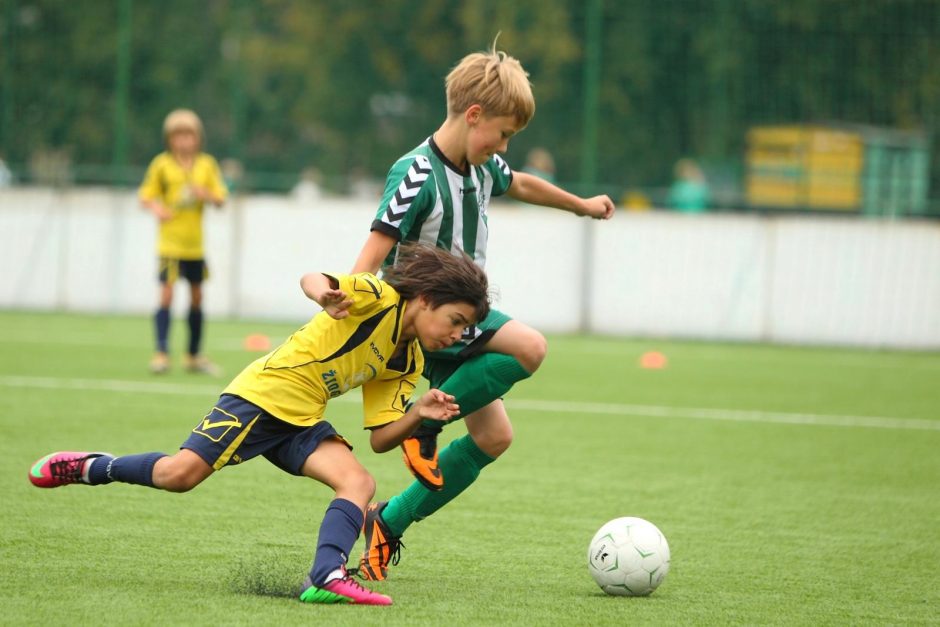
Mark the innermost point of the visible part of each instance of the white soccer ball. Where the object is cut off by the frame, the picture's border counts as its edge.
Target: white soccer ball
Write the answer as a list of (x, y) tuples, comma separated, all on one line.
[(628, 557)]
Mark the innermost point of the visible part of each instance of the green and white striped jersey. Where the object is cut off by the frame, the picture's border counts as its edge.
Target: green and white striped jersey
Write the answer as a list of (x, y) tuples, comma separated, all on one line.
[(429, 199)]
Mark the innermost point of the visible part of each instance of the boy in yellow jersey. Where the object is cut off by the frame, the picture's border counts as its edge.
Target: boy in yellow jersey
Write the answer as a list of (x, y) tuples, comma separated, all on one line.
[(176, 188), (438, 194), (370, 336)]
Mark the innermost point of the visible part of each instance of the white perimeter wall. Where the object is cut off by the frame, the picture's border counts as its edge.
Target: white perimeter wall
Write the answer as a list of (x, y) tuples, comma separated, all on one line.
[(818, 280)]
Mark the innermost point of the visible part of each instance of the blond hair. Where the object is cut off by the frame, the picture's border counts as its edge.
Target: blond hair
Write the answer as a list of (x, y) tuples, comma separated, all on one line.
[(495, 81), (182, 120)]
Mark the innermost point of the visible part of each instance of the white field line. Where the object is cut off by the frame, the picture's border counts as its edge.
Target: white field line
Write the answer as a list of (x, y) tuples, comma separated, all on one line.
[(862, 360), (613, 409), (732, 415), (96, 340)]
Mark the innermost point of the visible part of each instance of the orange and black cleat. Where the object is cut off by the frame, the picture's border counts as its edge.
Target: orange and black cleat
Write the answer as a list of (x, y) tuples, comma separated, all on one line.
[(382, 548), (420, 453)]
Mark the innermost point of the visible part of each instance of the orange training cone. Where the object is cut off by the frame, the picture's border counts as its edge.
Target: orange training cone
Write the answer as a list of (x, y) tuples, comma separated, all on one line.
[(653, 360), (257, 342)]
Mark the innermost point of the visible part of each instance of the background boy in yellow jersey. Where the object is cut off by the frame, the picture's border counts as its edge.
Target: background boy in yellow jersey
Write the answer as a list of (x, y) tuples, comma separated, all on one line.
[(275, 407), (438, 194), (176, 188)]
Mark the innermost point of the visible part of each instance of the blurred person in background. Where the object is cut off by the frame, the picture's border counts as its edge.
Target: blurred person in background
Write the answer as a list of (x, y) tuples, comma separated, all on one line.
[(6, 176), (178, 184), (689, 192), (233, 173), (539, 162), (309, 189)]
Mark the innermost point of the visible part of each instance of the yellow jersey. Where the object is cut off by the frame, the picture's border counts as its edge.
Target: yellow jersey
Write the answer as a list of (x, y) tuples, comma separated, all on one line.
[(328, 357), (167, 181)]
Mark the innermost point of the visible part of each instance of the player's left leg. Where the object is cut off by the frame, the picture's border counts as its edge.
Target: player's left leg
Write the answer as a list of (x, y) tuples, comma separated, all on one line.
[(175, 473), (489, 435), (196, 272), (513, 353), (333, 464), (232, 432), (195, 320)]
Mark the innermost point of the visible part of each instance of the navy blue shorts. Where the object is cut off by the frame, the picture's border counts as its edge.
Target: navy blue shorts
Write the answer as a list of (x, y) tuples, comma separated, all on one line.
[(193, 270), (236, 430)]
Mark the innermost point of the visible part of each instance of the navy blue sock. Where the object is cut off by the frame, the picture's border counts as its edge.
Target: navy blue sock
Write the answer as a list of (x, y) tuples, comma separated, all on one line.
[(136, 469), (195, 330), (162, 324), (338, 533), (98, 470)]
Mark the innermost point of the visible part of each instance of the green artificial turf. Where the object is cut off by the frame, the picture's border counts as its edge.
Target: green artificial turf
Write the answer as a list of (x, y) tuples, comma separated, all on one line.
[(795, 486)]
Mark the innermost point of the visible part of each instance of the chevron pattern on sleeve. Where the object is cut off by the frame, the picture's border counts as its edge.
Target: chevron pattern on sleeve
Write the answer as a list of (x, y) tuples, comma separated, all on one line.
[(503, 166), (410, 186)]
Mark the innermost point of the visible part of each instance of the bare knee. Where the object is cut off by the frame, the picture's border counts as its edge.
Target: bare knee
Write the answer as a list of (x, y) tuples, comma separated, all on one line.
[(166, 295), (357, 486), (175, 475), (494, 441), (532, 352), (177, 481)]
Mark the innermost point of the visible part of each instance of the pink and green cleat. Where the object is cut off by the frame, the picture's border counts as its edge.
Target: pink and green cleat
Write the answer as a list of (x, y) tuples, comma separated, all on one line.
[(60, 468), (344, 589)]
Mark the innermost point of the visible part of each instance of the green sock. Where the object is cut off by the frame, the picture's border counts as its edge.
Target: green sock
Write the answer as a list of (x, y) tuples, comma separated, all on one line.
[(481, 380), (461, 462)]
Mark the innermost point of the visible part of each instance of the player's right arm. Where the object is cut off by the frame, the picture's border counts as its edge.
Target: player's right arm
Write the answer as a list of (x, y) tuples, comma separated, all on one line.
[(377, 247), (157, 208), (151, 193), (325, 290), (409, 196), (342, 295)]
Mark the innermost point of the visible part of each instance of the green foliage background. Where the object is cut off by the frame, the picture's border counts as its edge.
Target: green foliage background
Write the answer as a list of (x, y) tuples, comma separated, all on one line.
[(347, 86)]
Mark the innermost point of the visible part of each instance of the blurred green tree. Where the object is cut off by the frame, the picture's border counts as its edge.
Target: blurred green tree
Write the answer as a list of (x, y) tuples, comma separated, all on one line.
[(350, 85)]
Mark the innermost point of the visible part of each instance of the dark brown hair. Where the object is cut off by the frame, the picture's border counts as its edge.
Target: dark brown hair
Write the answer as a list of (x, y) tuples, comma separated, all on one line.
[(439, 276)]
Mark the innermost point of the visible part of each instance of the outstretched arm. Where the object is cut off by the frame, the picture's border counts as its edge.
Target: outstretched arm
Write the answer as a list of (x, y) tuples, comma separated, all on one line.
[(434, 404), (325, 291), (534, 190)]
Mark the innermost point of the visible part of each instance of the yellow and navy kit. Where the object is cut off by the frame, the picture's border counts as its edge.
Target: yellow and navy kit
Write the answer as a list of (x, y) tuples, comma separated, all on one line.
[(328, 357), (167, 181)]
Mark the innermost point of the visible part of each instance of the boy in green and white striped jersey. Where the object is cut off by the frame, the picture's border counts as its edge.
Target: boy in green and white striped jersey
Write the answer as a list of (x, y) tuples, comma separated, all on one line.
[(438, 194)]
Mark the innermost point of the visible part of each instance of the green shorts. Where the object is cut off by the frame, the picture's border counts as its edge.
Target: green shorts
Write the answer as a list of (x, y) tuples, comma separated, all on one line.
[(439, 365)]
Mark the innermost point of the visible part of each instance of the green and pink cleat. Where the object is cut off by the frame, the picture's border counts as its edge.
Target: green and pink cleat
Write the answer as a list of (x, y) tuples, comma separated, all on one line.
[(61, 468), (344, 589)]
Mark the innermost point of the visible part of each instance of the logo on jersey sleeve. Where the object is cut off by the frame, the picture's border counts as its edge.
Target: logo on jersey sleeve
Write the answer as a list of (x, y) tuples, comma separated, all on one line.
[(368, 284), (403, 395), (503, 166), (410, 185)]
